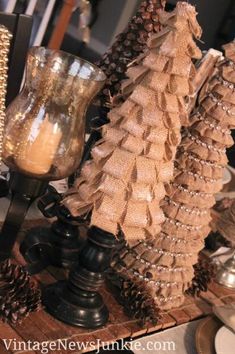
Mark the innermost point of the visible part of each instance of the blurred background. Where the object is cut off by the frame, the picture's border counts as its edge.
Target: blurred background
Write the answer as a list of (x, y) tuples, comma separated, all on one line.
[(109, 17)]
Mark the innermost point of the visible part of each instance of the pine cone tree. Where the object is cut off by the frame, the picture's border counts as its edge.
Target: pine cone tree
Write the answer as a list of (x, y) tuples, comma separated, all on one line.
[(128, 46), (204, 272), (19, 295)]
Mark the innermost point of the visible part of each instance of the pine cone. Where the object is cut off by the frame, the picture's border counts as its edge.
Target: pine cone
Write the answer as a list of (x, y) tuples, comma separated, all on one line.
[(19, 295), (131, 294), (127, 47), (204, 272)]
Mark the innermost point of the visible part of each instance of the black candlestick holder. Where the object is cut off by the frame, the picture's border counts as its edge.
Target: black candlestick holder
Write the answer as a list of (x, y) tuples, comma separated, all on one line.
[(24, 191), (77, 301), (57, 245)]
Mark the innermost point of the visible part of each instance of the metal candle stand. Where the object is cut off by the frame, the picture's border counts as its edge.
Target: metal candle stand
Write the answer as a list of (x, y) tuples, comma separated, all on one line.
[(226, 273)]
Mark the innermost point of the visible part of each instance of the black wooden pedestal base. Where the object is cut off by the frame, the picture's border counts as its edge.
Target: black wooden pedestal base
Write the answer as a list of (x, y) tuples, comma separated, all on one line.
[(57, 245), (82, 309), (77, 301), (42, 247)]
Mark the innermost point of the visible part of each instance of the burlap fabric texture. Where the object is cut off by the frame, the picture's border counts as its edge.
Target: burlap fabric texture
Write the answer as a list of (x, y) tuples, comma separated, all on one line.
[(165, 263), (124, 184)]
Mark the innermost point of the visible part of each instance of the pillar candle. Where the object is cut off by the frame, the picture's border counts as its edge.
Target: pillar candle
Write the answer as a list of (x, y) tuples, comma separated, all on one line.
[(38, 146)]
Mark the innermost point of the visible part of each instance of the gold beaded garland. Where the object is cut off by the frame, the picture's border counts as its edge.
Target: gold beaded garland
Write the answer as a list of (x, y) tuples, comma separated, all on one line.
[(5, 37)]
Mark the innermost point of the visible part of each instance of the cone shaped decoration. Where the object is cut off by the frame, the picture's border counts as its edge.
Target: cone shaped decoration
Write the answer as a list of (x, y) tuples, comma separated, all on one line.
[(166, 264), (124, 183), (127, 46), (114, 63), (19, 294), (204, 271)]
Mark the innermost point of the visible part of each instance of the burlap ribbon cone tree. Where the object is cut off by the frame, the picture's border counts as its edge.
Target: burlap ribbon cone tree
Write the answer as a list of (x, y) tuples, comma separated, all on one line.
[(163, 268), (124, 183)]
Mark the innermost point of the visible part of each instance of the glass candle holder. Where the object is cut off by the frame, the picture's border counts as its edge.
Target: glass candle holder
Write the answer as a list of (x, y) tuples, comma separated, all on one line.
[(45, 124)]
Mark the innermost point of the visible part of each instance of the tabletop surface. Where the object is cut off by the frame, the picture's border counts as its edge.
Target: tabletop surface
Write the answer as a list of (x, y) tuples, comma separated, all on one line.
[(41, 326)]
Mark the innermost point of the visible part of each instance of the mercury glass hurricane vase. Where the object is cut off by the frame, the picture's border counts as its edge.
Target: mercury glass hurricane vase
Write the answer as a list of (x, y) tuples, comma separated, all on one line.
[(45, 124)]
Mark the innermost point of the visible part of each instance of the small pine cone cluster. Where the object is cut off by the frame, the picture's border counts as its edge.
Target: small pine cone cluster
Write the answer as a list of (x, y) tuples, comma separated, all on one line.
[(204, 272), (19, 295), (127, 47)]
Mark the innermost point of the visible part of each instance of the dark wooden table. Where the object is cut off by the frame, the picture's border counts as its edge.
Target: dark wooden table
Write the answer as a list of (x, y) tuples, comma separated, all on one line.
[(41, 326)]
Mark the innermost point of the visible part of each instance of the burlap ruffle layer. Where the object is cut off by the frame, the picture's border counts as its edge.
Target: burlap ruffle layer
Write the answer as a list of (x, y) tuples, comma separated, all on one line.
[(186, 214), (222, 113), (180, 194), (189, 162)]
